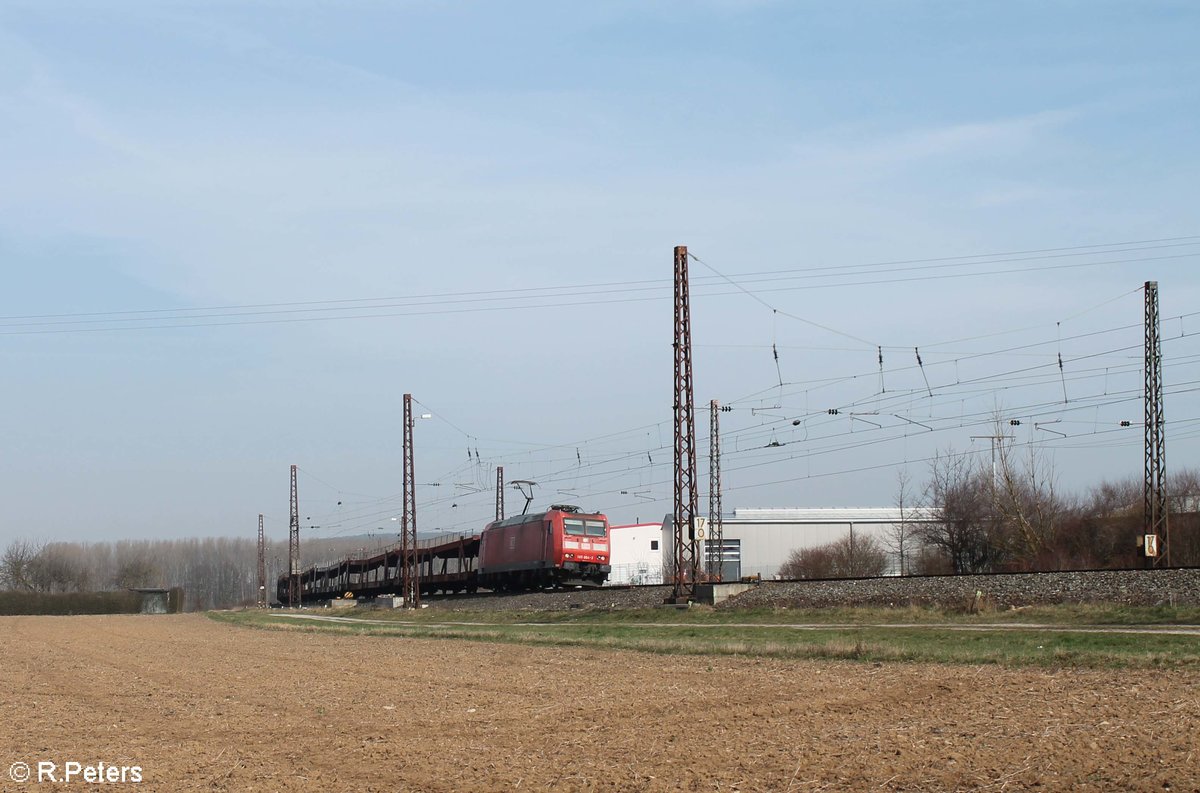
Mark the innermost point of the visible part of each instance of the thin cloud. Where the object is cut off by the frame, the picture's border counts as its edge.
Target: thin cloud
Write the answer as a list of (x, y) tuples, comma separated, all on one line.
[(864, 152)]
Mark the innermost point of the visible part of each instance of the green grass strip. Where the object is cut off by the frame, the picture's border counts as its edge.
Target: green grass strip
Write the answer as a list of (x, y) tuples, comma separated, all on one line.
[(932, 643)]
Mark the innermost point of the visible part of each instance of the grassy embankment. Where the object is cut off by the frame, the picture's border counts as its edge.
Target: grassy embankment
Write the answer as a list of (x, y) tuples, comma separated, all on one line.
[(1063, 636)]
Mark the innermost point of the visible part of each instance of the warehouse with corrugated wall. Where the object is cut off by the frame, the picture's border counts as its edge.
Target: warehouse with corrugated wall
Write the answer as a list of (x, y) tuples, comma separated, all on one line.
[(757, 541)]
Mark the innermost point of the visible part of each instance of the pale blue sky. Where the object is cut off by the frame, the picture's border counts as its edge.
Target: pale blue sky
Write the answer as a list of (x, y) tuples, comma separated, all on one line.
[(162, 156)]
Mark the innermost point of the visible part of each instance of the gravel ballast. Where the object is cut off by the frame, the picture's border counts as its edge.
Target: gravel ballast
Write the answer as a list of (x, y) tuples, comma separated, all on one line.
[(1180, 587)]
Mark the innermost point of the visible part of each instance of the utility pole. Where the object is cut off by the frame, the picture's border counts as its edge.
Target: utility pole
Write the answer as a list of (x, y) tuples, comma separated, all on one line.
[(408, 518), (684, 574), (1154, 495), (262, 564), (294, 594), (715, 541), (499, 492), (994, 440)]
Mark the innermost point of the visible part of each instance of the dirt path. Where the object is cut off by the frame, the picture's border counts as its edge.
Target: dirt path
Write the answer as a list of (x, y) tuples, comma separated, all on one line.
[(1163, 630), (206, 706)]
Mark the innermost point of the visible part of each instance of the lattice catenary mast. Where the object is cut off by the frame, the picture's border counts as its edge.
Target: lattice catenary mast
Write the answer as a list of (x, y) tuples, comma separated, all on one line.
[(499, 492), (262, 564), (294, 548), (684, 562), (408, 518), (1154, 496), (715, 538)]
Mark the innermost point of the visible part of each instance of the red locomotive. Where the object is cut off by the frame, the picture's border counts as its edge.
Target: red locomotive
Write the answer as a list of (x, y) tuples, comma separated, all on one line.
[(561, 546)]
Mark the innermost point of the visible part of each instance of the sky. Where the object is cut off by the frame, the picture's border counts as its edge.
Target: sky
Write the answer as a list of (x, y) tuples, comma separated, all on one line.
[(234, 234)]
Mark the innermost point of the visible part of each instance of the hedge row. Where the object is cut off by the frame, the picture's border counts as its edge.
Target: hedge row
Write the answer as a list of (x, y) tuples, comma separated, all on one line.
[(119, 602)]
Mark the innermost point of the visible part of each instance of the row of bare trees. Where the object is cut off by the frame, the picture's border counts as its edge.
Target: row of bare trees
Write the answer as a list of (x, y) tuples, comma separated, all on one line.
[(1013, 517), (214, 572), (1005, 513)]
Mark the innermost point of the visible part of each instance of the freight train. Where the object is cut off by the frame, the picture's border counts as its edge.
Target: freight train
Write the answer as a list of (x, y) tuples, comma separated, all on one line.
[(562, 546)]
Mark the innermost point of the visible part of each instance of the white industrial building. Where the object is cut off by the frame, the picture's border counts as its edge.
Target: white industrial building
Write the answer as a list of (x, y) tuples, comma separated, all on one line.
[(636, 554), (756, 541)]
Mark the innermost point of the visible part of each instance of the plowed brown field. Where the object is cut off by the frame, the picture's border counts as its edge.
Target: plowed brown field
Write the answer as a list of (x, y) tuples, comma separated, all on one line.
[(205, 706)]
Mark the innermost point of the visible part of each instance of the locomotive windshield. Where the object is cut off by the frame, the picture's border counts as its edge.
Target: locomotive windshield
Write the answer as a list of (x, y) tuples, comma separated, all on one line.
[(578, 528)]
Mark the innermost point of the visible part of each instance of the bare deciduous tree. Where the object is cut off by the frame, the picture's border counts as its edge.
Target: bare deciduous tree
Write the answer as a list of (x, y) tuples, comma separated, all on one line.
[(816, 562), (61, 567), (852, 556), (1183, 490), (1102, 529), (958, 492), (900, 538), (1028, 509), (16, 565), (136, 572)]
